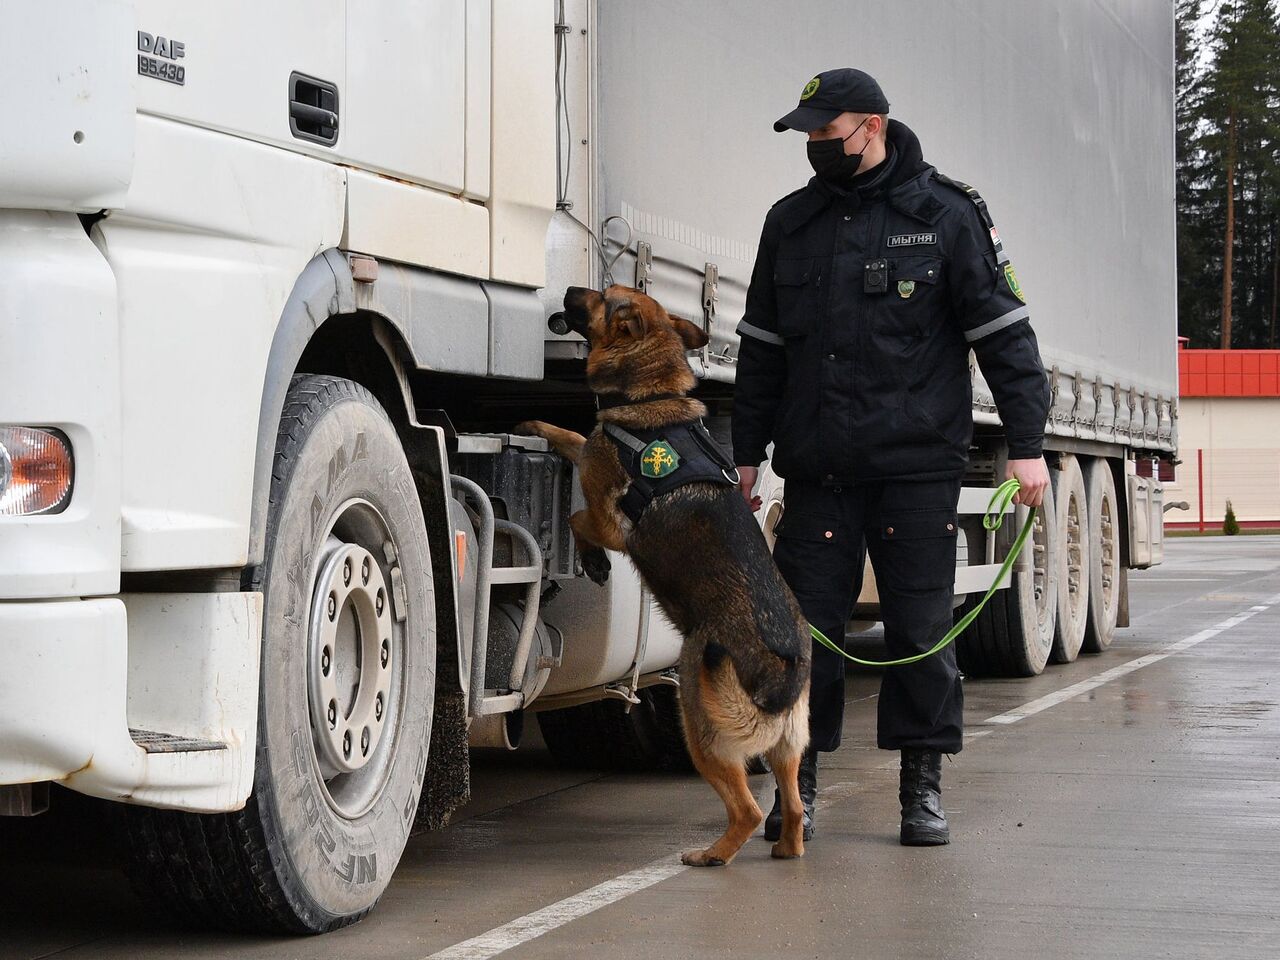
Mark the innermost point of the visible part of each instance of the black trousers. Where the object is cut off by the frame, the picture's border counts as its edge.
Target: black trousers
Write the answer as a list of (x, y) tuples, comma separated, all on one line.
[(910, 530)]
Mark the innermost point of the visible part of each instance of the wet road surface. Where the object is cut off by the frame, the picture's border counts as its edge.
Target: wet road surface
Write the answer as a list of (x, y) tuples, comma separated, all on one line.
[(1126, 805)]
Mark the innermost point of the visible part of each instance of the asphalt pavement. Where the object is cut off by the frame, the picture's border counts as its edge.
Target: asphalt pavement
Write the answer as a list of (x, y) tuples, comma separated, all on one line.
[(1126, 805)]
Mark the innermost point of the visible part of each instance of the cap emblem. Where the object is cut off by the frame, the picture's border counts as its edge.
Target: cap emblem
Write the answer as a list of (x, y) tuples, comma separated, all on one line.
[(810, 89)]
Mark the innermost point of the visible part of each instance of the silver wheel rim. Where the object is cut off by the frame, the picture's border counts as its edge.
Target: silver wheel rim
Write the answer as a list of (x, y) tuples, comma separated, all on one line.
[(1109, 553), (355, 662), (1040, 577), (1075, 526)]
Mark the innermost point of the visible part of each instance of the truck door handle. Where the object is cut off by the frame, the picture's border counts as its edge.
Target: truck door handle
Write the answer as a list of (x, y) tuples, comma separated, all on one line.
[(313, 109)]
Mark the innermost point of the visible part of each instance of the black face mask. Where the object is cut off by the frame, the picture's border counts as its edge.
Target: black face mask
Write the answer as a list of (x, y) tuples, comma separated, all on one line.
[(830, 162)]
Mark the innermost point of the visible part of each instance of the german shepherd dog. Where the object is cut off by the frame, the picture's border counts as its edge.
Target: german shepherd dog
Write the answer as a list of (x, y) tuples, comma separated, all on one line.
[(744, 664)]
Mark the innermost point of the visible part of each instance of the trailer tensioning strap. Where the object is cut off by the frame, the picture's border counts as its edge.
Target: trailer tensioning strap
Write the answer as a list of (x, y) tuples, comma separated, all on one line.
[(992, 521)]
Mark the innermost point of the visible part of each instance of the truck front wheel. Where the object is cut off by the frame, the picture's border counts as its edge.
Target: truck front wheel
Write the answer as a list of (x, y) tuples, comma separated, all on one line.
[(347, 687)]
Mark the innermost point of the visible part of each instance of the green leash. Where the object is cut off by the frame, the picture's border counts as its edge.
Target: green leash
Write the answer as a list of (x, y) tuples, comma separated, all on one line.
[(993, 520)]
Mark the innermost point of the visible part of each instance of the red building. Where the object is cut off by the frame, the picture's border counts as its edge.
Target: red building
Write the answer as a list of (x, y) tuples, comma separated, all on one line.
[(1228, 438)]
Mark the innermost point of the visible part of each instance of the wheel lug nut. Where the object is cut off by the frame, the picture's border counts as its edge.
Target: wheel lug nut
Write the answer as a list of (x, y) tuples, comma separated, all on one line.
[(386, 652), (377, 708), (346, 744), (324, 661), (333, 714), (364, 571), (333, 606), (364, 742), (379, 602), (346, 571)]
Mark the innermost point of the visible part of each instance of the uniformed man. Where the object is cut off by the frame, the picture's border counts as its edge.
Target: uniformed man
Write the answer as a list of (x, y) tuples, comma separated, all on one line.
[(872, 284)]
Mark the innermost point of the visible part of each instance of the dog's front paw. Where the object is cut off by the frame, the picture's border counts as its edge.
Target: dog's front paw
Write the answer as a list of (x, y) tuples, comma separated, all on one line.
[(701, 858), (530, 428), (595, 564)]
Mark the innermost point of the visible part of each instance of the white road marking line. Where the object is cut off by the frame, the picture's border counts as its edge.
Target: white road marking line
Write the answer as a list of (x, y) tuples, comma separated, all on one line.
[(1084, 686), (533, 925)]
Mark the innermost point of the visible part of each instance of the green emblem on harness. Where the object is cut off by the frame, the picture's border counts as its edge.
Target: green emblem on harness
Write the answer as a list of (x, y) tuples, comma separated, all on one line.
[(906, 288), (810, 89), (1012, 279), (658, 460)]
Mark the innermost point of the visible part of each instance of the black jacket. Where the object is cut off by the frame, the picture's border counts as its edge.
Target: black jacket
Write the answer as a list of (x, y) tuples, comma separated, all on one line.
[(850, 384)]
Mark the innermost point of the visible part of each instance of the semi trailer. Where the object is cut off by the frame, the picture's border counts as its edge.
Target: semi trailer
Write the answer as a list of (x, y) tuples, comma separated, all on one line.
[(274, 291)]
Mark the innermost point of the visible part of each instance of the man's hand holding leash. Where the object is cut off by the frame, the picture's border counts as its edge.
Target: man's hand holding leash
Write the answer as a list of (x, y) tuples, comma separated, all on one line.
[(1033, 476)]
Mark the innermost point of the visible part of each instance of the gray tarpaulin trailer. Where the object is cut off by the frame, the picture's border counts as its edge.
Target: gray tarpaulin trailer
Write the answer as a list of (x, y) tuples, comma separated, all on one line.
[(1060, 113)]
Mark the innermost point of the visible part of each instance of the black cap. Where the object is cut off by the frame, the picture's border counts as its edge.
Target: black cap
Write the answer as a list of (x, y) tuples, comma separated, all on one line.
[(830, 94)]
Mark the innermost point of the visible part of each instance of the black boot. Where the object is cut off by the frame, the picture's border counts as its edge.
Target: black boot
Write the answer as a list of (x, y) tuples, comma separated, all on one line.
[(808, 796), (920, 793)]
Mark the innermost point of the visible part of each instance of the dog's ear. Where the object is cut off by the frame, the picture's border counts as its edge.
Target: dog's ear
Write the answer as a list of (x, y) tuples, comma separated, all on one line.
[(637, 326), (618, 310), (694, 337)]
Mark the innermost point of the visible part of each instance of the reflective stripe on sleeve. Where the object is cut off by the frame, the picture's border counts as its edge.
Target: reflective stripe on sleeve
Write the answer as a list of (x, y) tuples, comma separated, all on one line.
[(765, 335), (999, 323)]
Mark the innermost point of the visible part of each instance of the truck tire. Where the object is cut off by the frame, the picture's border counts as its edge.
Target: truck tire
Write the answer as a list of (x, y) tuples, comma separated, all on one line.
[(1074, 559), (1104, 557), (346, 690), (1013, 635), (602, 735)]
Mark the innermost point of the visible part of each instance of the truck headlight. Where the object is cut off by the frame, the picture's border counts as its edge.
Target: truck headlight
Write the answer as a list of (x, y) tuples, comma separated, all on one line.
[(37, 471)]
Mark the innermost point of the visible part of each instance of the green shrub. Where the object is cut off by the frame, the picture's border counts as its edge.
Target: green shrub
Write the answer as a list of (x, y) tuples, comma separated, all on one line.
[(1230, 526)]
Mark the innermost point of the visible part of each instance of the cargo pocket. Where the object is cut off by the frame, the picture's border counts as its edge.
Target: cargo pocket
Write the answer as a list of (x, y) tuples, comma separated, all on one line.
[(810, 527), (917, 548), (918, 525), (798, 288), (807, 550)]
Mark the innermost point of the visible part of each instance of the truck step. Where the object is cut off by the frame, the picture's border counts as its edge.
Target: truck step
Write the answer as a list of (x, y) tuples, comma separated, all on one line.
[(155, 742)]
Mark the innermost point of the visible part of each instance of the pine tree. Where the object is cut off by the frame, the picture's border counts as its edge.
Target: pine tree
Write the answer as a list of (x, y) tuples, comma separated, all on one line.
[(1238, 102), (1198, 270)]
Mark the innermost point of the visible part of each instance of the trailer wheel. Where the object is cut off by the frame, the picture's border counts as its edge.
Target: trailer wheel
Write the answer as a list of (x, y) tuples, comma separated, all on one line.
[(1013, 635), (1104, 558), (1075, 542), (602, 735), (347, 688)]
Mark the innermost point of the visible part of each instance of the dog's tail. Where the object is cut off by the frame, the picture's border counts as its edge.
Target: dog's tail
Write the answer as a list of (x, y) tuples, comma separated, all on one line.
[(773, 683)]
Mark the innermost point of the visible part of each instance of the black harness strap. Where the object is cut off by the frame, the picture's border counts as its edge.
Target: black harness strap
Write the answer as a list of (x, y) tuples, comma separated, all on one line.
[(701, 460)]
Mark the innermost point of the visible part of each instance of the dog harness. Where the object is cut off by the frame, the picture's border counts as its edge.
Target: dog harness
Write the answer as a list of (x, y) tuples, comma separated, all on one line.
[(664, 458)]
